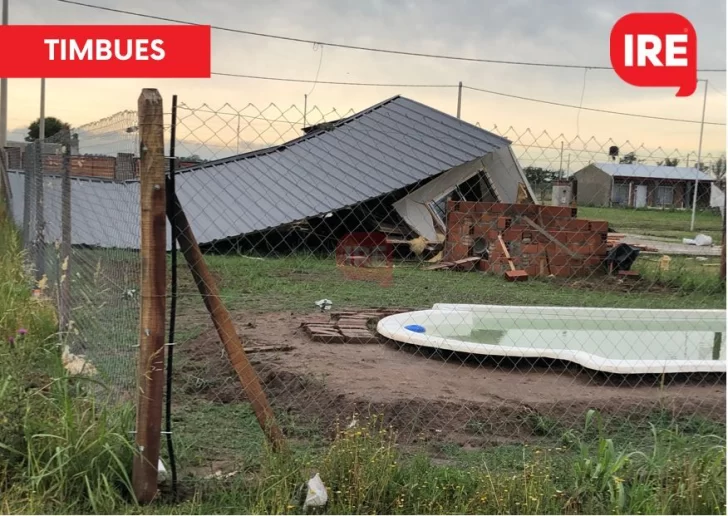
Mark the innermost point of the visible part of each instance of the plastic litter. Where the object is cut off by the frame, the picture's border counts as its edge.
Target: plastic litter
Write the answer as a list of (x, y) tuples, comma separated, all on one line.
[(415, 328), (162, 475), (316, 495), (699, 240), (324, 304)]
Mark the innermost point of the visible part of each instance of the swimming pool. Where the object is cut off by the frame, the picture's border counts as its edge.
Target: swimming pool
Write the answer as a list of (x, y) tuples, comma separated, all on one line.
[(614, 340)]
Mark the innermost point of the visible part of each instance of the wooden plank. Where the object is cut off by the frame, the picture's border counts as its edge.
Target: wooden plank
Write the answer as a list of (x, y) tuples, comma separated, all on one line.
[(150, 367), (269, 349), (223, 322), (470, 259), (329, 339), (551, 238)]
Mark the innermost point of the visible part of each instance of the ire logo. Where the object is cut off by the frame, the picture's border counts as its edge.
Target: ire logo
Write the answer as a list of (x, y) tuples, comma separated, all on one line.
[(655, 49)]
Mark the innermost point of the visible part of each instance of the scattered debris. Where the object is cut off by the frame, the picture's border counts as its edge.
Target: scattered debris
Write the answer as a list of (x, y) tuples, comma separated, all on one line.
[(324, 304), (346, 327), (628, 274), (77, 364), (541, 240), (162, 475), (267, 349), (513, 274), (664, 263), (316, 495), (219, 475), (699, 240)]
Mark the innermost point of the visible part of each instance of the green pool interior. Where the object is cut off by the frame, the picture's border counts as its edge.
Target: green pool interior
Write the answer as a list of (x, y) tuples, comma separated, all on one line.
[(633, 339)]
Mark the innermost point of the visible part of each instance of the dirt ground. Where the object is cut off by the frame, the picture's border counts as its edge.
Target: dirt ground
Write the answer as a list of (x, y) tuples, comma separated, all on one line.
[(426, 395)]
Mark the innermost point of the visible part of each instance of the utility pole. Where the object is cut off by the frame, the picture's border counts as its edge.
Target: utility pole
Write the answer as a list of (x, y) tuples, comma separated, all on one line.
[(4, 93), (305, 108), (460, 96), (697, 163), (561, 160)]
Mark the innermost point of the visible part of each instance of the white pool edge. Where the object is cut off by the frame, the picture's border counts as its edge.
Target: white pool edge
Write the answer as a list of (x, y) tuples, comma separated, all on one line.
[(393, 327)]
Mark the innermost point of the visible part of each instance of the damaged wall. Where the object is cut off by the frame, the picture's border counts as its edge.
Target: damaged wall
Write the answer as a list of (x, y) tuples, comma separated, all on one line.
[(576, 247)]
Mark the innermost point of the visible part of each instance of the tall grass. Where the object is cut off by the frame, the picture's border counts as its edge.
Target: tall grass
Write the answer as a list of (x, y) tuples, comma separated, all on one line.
[(61, 450), (365, 473)]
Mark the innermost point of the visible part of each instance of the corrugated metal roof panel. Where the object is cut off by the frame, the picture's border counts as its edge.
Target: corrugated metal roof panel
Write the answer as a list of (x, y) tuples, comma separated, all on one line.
[(652, 171), (394, 144)]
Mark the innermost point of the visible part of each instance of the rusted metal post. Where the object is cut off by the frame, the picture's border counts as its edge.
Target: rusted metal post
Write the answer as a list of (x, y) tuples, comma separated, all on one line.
[(153, 301), (224, 325), (64, 298)]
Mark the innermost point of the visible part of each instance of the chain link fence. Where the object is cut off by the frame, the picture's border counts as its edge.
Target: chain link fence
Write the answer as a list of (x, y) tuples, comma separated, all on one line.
[(319, 225), (78, 203)]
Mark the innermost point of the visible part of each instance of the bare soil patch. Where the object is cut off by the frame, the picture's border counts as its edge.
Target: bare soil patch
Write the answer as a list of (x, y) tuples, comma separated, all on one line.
[(429, 396)]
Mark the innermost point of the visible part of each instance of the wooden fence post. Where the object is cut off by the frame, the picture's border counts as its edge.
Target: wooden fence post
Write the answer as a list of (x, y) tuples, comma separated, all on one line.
[(153, 290)]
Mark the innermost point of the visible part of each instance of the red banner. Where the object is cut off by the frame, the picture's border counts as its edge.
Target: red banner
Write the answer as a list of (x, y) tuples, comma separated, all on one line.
[(105, 51)]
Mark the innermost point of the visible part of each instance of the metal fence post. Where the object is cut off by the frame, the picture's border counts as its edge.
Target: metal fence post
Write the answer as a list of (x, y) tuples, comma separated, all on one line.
[(39, 241), (153, 301), (64, 297)]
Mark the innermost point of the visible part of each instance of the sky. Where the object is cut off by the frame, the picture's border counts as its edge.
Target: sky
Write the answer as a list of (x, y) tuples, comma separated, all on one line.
[(561, 31)]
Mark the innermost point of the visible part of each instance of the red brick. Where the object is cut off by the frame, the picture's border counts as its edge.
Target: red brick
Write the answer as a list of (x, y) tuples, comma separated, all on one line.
[(456, 251), (480, 229), (601, 250), (577, 225), (512, 234), (497, 207), (492, 235), (484, 265), (557, 211), (594, 261), (504, 222), (570, 237), (599, 226), (558, 259), (534, 270), (532, 249), (584, 250)]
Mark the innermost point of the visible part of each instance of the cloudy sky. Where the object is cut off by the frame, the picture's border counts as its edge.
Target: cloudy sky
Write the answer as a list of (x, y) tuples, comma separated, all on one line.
[(563, 31)]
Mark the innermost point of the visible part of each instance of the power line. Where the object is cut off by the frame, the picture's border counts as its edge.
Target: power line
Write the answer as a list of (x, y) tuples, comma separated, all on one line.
[(335, 83), (482, 90), (351, 47), (596, 110)]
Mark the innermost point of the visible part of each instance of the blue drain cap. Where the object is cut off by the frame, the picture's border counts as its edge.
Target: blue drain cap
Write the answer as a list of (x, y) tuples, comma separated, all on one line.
[(415, 328)]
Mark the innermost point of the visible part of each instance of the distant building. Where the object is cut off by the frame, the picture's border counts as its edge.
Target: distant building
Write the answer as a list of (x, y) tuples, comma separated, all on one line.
[(640, 186)]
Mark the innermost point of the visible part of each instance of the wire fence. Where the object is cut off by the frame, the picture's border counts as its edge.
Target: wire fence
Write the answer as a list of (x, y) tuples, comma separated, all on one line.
[(323, 231)]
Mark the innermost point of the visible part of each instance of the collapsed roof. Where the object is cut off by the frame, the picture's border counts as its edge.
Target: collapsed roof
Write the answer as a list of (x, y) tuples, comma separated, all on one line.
[(394, 145)]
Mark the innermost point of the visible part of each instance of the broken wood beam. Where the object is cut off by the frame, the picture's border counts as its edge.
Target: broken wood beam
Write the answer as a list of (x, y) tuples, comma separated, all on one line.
[(224, 325)]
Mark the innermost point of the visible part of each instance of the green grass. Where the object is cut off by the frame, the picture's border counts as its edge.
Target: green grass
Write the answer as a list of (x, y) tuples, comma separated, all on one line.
[(667, 224), (295, 283), (671, 472), (61, 450)]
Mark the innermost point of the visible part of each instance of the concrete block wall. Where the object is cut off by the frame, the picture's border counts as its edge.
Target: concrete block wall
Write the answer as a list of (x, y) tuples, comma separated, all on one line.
[(472, 225)]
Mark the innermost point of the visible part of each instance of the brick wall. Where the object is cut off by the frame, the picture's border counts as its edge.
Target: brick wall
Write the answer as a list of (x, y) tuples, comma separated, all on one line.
[(472, 226)]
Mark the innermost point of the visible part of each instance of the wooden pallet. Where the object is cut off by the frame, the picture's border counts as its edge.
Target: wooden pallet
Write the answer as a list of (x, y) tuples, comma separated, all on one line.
[(346, 327)]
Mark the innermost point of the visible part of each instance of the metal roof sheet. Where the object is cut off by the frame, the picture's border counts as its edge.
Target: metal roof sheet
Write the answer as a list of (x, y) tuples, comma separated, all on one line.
[(652, 171), (391, 145)]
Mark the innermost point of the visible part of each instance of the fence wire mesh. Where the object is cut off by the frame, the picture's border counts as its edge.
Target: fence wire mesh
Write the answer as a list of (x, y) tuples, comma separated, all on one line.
[(316, 229), (81, 231)]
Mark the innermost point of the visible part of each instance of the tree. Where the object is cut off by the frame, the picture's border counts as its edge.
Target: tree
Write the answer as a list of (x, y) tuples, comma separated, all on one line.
[(629, 158), (669, 162), (538, 175), (52, 126)]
